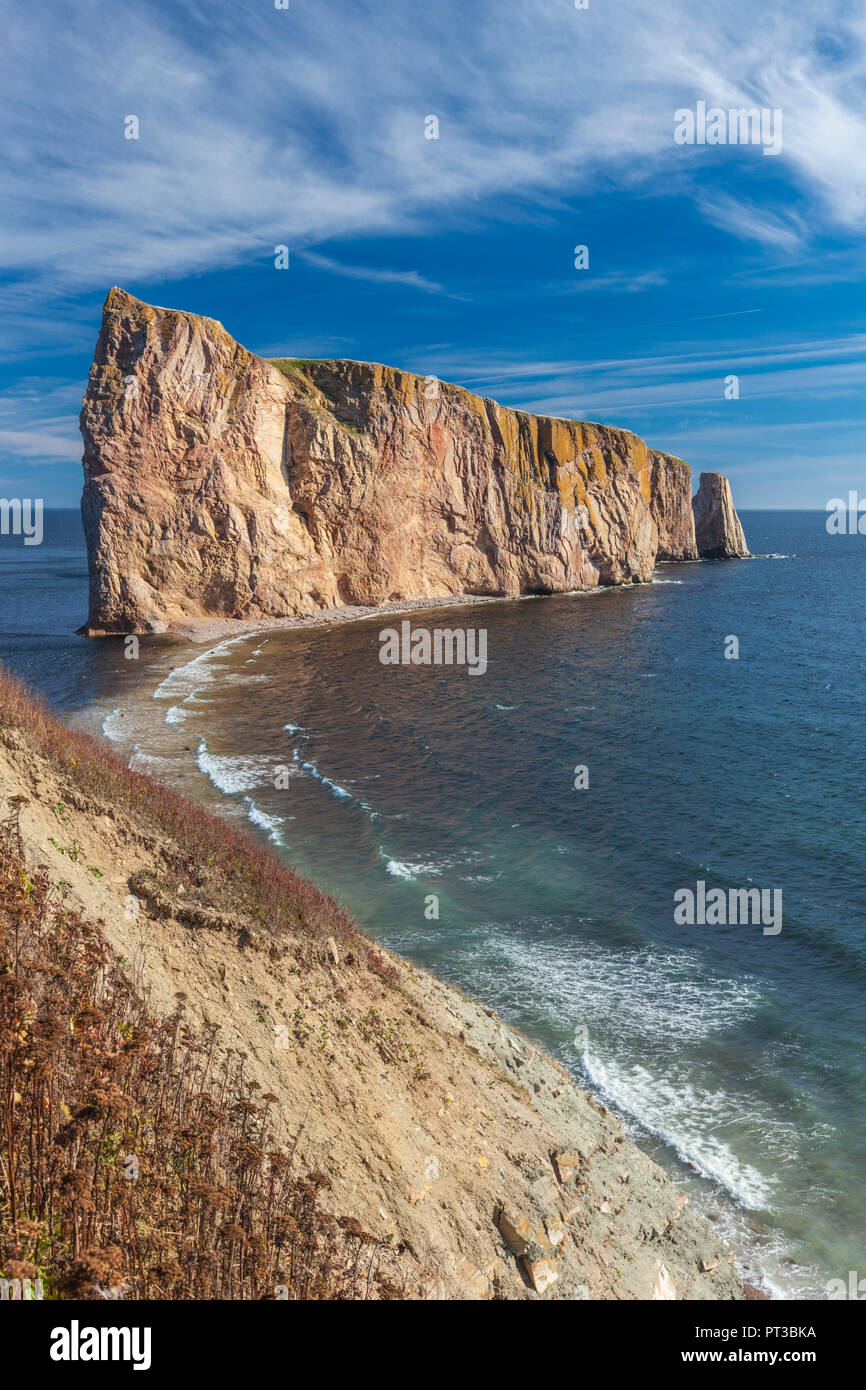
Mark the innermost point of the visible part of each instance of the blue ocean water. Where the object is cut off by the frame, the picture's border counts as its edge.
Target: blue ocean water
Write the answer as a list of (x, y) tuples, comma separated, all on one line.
[(441, 808)]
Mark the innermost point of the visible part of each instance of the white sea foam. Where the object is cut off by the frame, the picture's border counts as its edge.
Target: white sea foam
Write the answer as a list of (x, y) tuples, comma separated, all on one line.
[(112, 725), (587, 593), (176, 714), (265, 822), (627, 1002), (154, 766), (684, 1116), (656, 993), (399, 869), (240, 773), (428, 868), (194, 675)]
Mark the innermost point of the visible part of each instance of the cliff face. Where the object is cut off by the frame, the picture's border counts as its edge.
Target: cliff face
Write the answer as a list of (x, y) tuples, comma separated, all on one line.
[(220, 484), (718, 532), (670, 501)]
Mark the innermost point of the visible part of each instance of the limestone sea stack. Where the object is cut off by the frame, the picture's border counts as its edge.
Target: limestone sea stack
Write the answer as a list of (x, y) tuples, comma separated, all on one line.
[(718, 532), (222, 485)]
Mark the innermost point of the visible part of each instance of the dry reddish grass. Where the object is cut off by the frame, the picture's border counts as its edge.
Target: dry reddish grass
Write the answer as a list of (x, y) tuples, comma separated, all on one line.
[(240, 875), (129, 1159)]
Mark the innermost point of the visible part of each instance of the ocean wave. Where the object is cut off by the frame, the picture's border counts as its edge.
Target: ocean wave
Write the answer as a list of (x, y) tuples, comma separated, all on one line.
[(644, 992), (429, 868), (400, 870), (194, 675), (150, 763), (684, 1116), (271, 824), (112, 728), (320, 777), (238, 773), (632, 1011)]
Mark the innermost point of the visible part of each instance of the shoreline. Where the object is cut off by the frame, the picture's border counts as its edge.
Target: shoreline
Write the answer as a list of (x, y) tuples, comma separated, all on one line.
[(605, 1221), (210, 643), (202, 631)]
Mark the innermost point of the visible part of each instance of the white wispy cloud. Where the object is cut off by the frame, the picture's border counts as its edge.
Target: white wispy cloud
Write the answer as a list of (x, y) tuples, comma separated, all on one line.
[(39, 421), (617, 282), (373, 274), (783, 230), (305, 127), (618, 389), (299, 126)]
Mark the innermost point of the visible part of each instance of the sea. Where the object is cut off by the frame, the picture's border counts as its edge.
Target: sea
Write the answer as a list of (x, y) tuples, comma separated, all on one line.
[(526, 833)]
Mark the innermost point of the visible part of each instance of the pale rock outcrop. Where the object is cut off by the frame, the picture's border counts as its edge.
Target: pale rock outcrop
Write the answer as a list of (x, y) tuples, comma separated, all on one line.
[(670, 502), (718, 532), (218, 484)]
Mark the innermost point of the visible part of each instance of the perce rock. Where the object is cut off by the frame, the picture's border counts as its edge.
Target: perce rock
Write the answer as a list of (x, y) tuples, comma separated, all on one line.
[(718, 532), (222, 485)]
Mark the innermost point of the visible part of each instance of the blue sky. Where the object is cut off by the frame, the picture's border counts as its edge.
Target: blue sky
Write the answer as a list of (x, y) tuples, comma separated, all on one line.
[(305, 127)]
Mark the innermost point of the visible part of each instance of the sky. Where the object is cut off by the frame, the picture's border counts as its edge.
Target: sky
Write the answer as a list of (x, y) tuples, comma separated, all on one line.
[(310, 127)]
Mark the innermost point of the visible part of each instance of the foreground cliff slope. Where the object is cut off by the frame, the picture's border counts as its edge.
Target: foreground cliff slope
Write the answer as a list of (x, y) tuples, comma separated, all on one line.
[(227, 1025), (218, 484)]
